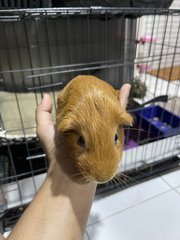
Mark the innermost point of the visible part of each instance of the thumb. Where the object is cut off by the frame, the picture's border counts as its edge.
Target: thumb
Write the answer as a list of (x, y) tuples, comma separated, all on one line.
[(43, 111)]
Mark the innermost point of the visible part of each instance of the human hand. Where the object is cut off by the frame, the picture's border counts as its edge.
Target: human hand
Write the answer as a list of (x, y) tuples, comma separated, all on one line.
[(51, 141), (45, 127)]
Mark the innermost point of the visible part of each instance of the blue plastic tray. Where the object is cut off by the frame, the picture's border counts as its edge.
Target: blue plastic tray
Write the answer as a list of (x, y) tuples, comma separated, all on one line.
[(141, 132), (167, 123)]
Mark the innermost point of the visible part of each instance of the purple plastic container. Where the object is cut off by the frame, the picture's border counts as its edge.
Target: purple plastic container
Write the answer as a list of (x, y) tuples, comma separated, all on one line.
[(130, 144)]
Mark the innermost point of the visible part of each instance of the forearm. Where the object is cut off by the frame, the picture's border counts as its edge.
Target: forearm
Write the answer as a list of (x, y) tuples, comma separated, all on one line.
[(1, 237), (59, 211)]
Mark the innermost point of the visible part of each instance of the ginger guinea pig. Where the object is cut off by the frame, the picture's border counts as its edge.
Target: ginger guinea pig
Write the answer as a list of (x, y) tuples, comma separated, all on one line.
[(90, 119)]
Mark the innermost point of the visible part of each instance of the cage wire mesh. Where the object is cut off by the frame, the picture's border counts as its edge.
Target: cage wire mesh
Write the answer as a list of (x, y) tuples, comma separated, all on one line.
[(42, 49)]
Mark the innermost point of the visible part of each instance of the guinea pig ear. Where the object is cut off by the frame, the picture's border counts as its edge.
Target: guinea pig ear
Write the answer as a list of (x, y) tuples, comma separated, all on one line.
[(125, 119), (67, 126)]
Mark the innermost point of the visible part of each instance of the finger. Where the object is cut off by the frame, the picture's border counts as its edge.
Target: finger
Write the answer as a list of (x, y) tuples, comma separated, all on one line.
[(43, 111), (124, 94)]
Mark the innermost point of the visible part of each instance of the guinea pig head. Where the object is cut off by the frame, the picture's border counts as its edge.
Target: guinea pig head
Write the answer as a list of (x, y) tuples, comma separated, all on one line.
[(93, 132)]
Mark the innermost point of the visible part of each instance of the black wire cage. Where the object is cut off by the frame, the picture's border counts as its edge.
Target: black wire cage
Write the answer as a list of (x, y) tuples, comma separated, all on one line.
[(43, 49)]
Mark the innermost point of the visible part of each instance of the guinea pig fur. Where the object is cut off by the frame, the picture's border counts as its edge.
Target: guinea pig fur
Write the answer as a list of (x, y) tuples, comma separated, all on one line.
[(90, 118)]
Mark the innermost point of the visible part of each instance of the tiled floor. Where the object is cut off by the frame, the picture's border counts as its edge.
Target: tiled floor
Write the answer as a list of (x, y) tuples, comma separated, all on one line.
[(148, 211)]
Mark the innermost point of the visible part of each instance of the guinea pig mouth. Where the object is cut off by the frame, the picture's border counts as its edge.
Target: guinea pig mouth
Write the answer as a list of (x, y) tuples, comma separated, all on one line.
[(87, 178), (102, 181), (102, 178), (99, 176)]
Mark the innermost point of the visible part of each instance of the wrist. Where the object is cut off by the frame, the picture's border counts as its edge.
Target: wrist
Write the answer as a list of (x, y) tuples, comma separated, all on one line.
[(60, 181)]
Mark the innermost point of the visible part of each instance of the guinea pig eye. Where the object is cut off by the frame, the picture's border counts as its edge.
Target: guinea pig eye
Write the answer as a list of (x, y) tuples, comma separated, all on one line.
[(81, 141), (115, 138)]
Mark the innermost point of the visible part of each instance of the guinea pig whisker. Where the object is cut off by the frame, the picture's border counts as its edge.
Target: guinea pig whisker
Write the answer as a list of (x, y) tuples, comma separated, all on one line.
[(89, 179), (81, 180), (137, 129), (111, 182), (77, 175), (131, 180), (142, 173), (115, 181), (125, 177), (120, 179), (85, 179), (126, 181)]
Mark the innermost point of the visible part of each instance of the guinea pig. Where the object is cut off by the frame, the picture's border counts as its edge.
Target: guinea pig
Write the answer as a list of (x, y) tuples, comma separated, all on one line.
[(90, 118)]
